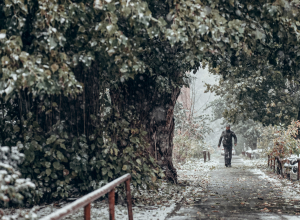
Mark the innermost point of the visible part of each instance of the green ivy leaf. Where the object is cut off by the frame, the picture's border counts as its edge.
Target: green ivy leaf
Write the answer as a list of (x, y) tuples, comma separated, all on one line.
[(53, 175), (63, 146), (60, 156), (48, 172), (104, 171), (124, 167), (16, 128), (57, 165), (51, 139)]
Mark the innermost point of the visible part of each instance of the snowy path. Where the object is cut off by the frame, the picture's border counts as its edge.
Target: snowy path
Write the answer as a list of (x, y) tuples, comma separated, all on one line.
[(240, 192)]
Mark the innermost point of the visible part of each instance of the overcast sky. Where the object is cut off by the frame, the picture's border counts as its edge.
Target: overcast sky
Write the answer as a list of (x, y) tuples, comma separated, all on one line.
[(203, 76)]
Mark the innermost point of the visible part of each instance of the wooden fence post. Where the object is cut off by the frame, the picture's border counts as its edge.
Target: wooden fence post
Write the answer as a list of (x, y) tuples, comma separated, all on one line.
[(128, 196), (298, 174), (111, 199), (87, 212), (271, 161), (204, 156)]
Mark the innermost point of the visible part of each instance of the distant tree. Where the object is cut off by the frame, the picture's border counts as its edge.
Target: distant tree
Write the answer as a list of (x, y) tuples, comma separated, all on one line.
[(248, 130)]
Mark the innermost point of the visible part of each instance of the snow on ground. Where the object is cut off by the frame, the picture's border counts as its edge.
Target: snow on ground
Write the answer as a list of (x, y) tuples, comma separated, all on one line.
[(290, 188), (100, 210), (192, 182), (287, 217)]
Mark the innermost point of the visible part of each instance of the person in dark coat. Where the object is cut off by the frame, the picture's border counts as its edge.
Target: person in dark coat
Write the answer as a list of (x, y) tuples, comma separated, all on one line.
[(227, 136)]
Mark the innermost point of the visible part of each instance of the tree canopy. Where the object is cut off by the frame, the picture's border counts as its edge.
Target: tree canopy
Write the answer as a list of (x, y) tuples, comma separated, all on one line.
[(43, 41)]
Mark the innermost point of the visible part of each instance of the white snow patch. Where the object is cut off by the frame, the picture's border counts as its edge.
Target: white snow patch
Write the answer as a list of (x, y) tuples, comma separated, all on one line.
[(99, 209), (290, 190), (288, 217)]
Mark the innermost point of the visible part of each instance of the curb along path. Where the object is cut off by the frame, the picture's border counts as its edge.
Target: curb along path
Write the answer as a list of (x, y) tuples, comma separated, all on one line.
[(239, 193)]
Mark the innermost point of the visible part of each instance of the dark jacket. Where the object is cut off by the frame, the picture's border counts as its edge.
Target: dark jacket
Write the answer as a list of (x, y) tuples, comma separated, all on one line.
[(227, 138)]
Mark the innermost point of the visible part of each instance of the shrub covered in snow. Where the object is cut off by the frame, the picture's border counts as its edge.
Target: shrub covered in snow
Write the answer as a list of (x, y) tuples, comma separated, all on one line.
[(13, 188), (280, 140), (20, 215), (190, 131)]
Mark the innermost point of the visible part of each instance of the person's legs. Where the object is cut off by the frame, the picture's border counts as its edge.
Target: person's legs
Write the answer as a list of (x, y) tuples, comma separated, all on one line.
[(230, 155), (226, 155)]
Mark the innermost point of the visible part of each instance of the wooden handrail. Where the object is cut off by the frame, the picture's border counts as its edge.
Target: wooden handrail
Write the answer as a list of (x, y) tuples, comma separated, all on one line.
[(86, 201)]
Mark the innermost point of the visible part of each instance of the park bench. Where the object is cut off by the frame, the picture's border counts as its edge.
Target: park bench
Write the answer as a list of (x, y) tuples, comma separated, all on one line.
[(284, 166)]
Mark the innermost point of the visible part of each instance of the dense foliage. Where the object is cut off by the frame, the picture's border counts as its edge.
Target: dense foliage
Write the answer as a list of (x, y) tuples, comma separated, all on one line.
[(261, 94), (265, 87), (58, 161)]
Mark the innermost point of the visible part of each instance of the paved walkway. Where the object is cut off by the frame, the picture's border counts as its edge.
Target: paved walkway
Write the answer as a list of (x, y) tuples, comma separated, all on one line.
[(238, 193)]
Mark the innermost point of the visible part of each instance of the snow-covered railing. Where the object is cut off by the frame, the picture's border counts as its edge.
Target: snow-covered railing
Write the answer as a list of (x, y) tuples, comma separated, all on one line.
[(86, 201), (288, 163)]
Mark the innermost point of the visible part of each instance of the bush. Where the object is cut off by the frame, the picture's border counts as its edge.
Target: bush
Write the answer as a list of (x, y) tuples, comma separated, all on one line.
[(20, 215), (14, 189), (186, 148), (61, 165), (280, 140)]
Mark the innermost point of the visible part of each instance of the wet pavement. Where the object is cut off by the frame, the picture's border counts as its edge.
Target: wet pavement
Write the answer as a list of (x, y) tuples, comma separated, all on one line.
[(238, 193)]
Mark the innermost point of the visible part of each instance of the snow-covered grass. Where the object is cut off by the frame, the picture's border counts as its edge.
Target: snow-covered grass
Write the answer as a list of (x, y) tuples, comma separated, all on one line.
[(291, 189), (261, 162), (192, 182)]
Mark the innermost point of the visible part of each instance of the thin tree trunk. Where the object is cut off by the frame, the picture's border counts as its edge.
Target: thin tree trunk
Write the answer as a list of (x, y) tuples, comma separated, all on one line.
[(298, 119), (84, 107)]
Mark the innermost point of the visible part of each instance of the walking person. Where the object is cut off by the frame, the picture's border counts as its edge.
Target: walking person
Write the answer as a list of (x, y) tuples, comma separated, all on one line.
[(227, 136)]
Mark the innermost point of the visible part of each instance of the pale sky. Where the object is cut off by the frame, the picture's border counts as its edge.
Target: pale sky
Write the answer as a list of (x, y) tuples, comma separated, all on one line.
[(203, 76)]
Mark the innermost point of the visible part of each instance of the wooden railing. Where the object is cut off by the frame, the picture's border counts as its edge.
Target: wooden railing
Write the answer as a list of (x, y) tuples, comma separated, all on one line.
[(280, 165), (86, 201), (204, 155)]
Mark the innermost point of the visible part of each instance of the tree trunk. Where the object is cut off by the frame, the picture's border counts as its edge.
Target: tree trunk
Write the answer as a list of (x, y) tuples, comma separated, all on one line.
[(153, 108), (298, 119)]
